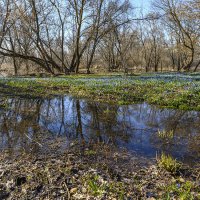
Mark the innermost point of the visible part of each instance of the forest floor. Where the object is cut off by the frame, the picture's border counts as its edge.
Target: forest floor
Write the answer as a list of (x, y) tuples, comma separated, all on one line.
[(172, 90), (95, 171)]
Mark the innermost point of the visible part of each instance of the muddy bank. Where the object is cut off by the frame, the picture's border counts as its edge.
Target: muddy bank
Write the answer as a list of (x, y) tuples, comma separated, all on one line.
[(91, 172)]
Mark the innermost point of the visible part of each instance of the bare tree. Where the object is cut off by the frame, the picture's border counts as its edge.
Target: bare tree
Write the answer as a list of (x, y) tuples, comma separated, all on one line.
[(184, 25)]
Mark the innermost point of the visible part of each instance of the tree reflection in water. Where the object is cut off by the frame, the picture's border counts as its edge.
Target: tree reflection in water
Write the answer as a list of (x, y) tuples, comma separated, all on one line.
[(26, 122)]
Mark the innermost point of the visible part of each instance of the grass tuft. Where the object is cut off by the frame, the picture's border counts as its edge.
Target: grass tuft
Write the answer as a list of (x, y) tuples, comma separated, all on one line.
[(169, 163), (166, 134)]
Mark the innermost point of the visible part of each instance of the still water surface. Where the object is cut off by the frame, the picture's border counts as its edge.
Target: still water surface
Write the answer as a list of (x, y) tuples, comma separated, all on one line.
[(25, 123)]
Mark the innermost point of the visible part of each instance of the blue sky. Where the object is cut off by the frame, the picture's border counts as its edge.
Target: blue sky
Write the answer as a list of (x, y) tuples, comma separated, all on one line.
[(145, 4)]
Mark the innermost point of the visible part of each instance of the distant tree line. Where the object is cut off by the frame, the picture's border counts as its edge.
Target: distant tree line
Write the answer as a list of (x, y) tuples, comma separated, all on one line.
[(58, 36)]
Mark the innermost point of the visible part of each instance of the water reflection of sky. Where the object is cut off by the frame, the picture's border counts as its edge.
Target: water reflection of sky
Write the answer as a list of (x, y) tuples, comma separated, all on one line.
[(133, 127)]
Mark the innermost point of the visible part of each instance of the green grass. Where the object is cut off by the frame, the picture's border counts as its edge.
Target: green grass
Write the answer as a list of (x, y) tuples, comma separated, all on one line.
[(164, 91), (166, 134), (96, 187), (168, 163), (182, 191)]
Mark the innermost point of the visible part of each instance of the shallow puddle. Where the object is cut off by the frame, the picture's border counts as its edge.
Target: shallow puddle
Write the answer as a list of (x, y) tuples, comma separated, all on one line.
[(26, 124)]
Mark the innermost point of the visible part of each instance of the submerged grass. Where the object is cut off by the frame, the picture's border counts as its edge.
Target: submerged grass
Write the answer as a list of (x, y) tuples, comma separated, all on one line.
[(164, 90)]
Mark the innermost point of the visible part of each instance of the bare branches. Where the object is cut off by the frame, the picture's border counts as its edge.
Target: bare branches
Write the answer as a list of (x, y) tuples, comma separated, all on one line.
[(66, 36)]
